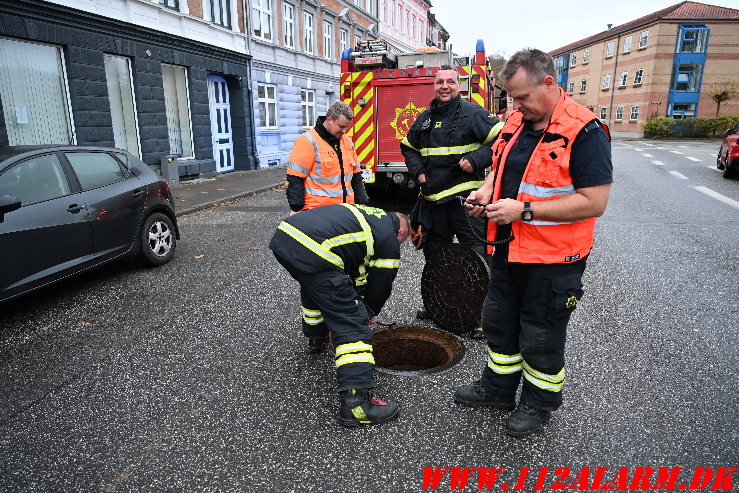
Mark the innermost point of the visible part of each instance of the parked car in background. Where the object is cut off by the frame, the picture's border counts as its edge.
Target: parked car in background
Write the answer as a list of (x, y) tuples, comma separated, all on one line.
[(728, 155), (66, 209)]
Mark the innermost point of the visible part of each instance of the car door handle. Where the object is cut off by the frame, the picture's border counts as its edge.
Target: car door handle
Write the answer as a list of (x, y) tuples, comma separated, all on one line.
[(137, 193), (74, 208)]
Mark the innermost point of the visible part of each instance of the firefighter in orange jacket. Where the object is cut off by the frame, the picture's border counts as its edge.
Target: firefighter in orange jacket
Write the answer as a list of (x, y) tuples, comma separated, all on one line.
[(552, 178), (324, 168)]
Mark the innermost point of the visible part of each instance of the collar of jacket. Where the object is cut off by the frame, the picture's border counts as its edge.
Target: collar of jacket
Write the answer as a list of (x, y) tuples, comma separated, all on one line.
[(323, 133), (439, 110)]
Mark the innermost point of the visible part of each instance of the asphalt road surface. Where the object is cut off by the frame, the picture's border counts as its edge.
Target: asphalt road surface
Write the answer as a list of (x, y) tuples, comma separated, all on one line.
[(194, 376)]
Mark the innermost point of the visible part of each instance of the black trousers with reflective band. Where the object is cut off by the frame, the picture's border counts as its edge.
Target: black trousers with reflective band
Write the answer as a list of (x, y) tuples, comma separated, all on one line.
[(333, 293), (448, 220), (524, 318)]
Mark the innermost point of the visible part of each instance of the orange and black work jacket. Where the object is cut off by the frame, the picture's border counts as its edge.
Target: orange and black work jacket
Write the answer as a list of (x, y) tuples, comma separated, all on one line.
[(322, 170), (547, 177), (439, 138), (360, 240)]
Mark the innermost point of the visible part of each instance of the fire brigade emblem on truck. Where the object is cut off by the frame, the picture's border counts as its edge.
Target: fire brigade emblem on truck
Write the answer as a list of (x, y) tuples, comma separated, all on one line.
[(404, 118)]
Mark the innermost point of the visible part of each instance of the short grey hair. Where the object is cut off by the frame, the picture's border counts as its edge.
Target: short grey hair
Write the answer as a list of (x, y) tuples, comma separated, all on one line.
[(536, 63), (448, 67), (340, 108)]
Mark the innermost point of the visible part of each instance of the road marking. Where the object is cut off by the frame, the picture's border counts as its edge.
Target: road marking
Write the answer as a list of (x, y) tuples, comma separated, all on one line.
[(676, 152), (658, 163), (694, 159), (647, 144), (646, 155), (714, 168), (638, 150), (721, 198), (677, 174), (683, 147), (658, 147)]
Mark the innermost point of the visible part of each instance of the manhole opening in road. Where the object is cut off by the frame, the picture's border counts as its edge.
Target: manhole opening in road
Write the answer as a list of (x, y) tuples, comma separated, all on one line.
[(410, 351)]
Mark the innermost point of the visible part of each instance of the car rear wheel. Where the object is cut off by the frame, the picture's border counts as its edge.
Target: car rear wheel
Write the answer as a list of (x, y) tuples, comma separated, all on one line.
[(719, 164), (158, 242)]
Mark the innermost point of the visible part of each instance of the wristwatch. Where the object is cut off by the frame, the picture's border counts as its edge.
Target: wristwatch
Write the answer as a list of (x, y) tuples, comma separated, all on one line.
[(527, 214)]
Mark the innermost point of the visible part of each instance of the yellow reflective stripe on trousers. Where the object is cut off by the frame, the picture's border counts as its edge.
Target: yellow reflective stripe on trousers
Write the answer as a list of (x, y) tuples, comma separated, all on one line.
[(385, 263), (352, 347), (544, 381), (310, 244), (504, 364), (370, 240), (354, 352), (355, 358), (468, 185)]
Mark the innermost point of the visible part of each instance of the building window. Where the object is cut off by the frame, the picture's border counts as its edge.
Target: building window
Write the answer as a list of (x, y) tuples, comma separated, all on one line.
[(627, 44), (328, 40), (219, 12), (33, 93), (679, 111), (308, 107), (308, 37), (288, 25), (391, 13), (177, 108), (687, 78), (638, 76), (643, 38), (370, 7), (343, 40), (170, 4), (619, 113), (622, 79), (422, 31), (267, 106), (571, 87), (583, 84), (585, 56), (634, 113), (122, 103), (573, 59), (603, 110), (413, 27), (609, 49), (382, 11), (262, 19), (406, 23), (693, 38), (399, 20), (606, 81)]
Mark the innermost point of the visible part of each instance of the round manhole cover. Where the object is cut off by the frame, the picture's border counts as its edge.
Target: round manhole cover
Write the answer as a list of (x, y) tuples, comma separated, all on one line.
[(411, 351)]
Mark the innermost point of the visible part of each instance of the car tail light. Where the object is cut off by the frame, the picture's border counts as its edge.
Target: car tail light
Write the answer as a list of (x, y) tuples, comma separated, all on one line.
[(166, 184)]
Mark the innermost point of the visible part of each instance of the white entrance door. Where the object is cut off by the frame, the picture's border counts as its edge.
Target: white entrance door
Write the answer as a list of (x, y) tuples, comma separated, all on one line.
[(220, 123)]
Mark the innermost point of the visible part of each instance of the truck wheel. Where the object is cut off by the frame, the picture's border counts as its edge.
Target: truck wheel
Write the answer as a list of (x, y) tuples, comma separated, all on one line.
[(157, 239)]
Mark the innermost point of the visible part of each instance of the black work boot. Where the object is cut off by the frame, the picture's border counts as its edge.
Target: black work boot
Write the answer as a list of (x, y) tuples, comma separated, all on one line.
[(477, 333), (476, 395), (317, 344), (360, 407), (423, 314), (525, 420)]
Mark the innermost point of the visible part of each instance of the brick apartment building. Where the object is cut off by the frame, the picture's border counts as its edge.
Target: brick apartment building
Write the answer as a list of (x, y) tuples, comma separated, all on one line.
[(404, 23), (660, 64)]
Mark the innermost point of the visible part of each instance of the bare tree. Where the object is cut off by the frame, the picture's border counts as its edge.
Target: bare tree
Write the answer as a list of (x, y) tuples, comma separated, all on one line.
[(722, 92)]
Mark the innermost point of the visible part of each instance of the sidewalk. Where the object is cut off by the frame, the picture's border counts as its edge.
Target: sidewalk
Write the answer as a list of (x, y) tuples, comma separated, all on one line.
[(194, 195)]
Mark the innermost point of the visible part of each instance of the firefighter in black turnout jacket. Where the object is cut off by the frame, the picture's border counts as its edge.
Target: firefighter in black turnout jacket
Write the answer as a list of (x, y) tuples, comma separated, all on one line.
[(330, 250), (447, 150)]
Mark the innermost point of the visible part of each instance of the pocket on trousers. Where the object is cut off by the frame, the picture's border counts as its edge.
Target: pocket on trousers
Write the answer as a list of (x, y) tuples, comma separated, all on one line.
[(343, 295), (567, 292)]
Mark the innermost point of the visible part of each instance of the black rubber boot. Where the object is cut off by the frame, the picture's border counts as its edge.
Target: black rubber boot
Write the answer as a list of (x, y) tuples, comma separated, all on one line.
[(525, 420), (476, 395), (423, 314), (316, 345), (359, 407), (477, 333)]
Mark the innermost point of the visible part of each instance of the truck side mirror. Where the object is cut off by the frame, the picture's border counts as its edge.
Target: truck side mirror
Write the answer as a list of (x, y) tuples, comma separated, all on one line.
[(8, 203)]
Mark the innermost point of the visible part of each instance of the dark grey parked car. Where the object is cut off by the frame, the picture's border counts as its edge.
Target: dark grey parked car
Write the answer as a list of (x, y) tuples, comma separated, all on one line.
[(65, 209)]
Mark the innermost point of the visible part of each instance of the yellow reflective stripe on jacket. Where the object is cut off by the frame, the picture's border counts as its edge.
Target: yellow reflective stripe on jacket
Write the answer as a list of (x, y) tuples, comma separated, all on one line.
[(448, 151), (344, 239), (385, 263), (361, 280), (468, 185), (310, 244), (408, 144), (544, 381), (370, 240), (493, 132)]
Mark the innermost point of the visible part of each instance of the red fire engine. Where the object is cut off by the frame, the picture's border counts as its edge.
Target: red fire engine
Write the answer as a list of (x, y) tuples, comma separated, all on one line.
[(387, 92)]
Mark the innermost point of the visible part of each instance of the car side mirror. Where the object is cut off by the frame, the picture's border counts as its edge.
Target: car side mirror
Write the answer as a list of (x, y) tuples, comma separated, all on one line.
[(8, 203)]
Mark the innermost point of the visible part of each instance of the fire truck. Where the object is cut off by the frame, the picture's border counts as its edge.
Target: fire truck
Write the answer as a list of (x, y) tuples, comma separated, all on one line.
[(387, 92)]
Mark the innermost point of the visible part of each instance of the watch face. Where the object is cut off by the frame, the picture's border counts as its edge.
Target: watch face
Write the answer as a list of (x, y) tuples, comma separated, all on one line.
[(527, 215)]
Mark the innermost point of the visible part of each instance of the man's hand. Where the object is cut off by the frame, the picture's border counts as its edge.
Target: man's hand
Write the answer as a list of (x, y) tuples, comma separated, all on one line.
[(373, 320), (480, 196), (422, 178), (292, 213), (504, 211), (466, 165)]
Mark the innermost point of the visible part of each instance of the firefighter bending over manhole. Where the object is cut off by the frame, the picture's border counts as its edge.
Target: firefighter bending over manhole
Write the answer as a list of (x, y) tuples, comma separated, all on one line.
[(329, 250)]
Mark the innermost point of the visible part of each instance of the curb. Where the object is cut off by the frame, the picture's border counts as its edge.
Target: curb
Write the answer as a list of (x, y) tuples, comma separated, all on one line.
[(207, 205)]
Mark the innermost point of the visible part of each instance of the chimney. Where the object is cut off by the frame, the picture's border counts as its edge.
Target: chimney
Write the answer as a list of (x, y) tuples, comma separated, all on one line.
[(610, 26)]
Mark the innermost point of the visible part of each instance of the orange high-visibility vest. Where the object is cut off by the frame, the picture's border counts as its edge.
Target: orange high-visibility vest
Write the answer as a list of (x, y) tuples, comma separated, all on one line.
[(547, 177), (313, 159)]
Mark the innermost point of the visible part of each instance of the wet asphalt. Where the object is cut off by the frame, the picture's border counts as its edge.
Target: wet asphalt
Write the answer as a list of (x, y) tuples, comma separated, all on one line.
[(194, 377)]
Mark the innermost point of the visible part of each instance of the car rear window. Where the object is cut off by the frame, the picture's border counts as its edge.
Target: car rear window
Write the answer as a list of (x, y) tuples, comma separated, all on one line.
[(95, 169), (35, 180)]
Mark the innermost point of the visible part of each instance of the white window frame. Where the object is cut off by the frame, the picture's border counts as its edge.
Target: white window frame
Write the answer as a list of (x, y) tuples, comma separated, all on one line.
[(343, 40), (288, 25), (309, 31), (627, 44), (391, 13), (262, 16), (583, 85), (268, 102), (609, 49), (623, 79), (128, 123), (571, 86), (399, 19), (381, 13), (606, 81), (308, 108), (585, 56), (643, 41), (406, 20), (634, 115), (182, 95), (638, 76), (573, 59), (223, 13), (619, 113), (328, 40), (603, 113)]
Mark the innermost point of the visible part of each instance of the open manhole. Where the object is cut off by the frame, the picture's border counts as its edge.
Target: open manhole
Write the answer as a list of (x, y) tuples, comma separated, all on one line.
[(406, 350)]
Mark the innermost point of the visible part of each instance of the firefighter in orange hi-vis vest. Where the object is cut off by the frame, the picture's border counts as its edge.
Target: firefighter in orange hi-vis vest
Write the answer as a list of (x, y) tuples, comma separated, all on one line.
[(552, 175), (323, 167)]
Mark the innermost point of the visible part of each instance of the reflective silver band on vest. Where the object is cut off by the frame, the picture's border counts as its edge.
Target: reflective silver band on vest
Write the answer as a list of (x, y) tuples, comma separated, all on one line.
[(297, 167), (545, 192), (330, 179), (328, 193), (317, 157)]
